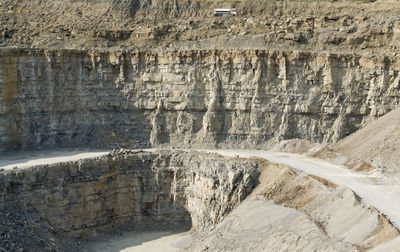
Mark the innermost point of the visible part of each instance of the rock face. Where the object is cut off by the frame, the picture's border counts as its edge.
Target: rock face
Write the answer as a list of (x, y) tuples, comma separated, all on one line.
[(205, 98), (130, 190)]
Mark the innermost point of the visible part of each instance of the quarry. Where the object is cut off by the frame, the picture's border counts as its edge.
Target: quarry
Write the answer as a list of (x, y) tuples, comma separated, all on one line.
[(135, 125)]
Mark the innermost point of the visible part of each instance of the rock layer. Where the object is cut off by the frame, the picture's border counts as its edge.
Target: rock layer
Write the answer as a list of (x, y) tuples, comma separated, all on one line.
[(116, 24), (162, 190), (205, 98)]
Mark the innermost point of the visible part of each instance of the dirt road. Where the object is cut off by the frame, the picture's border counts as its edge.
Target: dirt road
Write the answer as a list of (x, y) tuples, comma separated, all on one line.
[(33, 158)]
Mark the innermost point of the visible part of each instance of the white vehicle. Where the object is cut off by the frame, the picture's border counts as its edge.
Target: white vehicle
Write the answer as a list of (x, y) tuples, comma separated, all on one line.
[(224, 12)]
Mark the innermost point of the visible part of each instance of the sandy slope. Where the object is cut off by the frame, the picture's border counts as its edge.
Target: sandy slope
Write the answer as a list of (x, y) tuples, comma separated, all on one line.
[(377, 143), (385, 198), (290, 211), (261, 225)]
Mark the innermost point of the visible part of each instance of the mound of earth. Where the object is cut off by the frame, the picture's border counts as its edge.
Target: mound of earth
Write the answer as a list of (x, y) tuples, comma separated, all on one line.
[(292, 211)]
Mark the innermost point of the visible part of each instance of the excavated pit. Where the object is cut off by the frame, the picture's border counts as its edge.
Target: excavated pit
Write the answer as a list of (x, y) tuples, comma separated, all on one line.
[(135, 74), (178, 200), (129, 191), (242, 99)]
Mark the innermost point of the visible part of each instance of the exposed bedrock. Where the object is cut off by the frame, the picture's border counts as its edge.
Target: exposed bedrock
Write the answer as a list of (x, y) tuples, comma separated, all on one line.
[(163, 190), (188, 98)]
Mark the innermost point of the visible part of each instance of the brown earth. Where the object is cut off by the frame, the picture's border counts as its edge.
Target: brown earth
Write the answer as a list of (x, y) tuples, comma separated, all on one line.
[(120, 25)]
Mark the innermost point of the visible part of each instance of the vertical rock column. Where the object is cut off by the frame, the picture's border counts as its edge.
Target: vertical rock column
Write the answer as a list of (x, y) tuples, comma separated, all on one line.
[(9, 129), (157, 125), (212, 119)]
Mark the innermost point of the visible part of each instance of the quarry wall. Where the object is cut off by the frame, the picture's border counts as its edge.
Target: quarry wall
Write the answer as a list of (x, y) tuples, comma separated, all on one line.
[(188, 98), (128, 190)]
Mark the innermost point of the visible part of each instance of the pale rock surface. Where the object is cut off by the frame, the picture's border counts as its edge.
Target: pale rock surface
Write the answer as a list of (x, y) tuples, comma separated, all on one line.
[(188, 98), (130, 190)]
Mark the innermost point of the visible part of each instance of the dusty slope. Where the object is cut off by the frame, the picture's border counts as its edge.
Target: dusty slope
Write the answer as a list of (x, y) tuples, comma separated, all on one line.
[(378, 143), (376, 191), (307, 213)]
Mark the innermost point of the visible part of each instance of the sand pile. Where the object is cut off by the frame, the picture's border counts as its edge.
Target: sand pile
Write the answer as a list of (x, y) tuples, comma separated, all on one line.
[(378, 143), (295, 212)]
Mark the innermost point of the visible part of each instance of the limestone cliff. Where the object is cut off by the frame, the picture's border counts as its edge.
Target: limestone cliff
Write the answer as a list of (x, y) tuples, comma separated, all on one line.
[(131, 191), (187, 98)]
